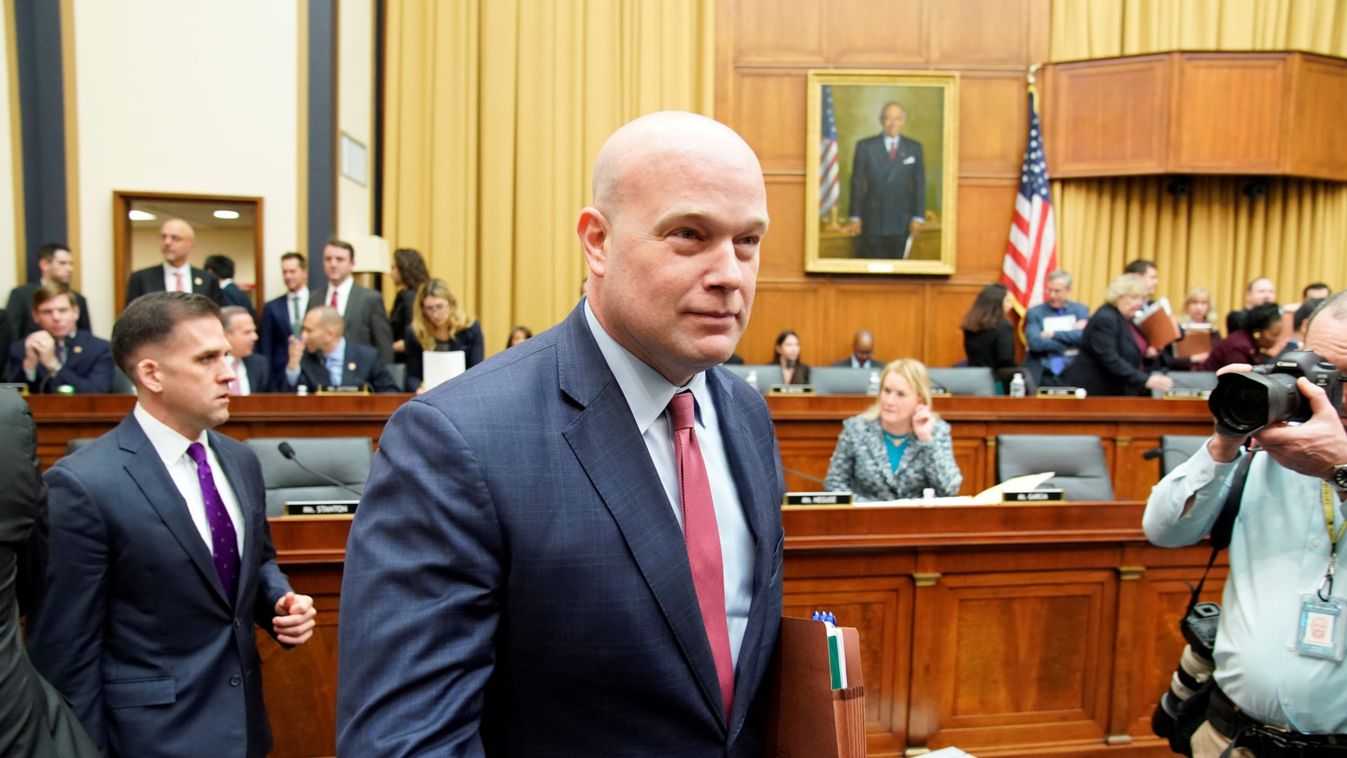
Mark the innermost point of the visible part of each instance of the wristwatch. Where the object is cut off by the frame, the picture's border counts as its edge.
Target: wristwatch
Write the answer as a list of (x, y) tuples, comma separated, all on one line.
[(1338, 479)]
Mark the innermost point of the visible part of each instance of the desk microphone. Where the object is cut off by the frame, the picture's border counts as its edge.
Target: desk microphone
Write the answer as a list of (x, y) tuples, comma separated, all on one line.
[(802, 475), (289, 452)]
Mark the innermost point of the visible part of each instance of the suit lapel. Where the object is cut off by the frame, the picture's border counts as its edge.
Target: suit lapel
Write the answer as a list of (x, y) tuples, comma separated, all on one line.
[(751, 480), (630, 488), (248, 498), (157, 486)]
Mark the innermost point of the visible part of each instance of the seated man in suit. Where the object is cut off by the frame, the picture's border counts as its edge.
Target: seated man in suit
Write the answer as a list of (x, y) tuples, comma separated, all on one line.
[(177, 240), (575, 548), (57, 354), (57, 266), (323, 357), (222, 268), (1051, 350), (360, 307), (161, 556), (251, 372), (283, 316), (862, 353)]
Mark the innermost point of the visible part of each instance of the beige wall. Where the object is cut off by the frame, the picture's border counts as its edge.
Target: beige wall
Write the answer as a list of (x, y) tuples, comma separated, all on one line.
[(184, 97), (235, 243), (355, 74)]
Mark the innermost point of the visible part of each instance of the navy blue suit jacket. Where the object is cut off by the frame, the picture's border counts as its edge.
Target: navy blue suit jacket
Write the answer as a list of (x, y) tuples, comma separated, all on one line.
[(87, 367), (887, 194), (234, 295), (274, 333), (1040, 347), (363, 366), (135, 629), (516, 549)]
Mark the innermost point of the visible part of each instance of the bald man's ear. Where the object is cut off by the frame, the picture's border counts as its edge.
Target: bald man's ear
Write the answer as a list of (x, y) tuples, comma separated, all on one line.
[(594, 232)]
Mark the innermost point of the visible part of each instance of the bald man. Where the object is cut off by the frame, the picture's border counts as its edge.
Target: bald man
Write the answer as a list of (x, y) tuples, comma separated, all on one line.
[(177, 241), (575, 548)]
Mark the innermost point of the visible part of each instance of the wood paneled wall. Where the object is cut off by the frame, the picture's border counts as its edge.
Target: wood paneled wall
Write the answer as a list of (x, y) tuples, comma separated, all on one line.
[(764, 48)]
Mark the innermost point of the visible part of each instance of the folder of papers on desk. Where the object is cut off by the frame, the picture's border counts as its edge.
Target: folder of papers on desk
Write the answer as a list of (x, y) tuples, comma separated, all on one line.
[(809, 716)]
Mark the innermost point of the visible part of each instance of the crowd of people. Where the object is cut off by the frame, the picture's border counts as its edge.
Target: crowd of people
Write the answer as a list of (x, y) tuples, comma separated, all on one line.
[(337, 335)]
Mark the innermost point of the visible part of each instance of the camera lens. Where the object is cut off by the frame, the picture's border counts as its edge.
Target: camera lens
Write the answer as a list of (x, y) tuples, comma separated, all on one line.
[(1245, 403)]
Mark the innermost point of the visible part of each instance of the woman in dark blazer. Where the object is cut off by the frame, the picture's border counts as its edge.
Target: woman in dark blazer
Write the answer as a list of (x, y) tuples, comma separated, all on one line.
[(439, 325), (898, 447), (409, 273), (787, 352), (988, 338), (1112, 358), (34, 719), (1252, 343)]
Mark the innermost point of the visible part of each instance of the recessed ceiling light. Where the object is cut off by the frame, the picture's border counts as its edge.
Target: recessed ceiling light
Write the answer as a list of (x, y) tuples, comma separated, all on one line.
[(140, 216), (228, 215)]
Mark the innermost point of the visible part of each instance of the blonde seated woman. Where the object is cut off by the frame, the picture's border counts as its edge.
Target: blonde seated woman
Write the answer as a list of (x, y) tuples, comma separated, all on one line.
[(439, 325), (898, 447)]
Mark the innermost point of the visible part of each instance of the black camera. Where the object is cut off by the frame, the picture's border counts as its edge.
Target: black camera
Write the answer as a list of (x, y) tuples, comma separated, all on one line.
[(1244, 403), (1183, 707)]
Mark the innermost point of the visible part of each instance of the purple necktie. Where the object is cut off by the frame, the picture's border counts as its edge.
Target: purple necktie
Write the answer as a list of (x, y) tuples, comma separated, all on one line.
[(223, 538)]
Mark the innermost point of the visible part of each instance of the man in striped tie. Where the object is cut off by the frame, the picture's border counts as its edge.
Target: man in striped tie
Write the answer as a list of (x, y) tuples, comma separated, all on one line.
[(575, 547), (161, 557)]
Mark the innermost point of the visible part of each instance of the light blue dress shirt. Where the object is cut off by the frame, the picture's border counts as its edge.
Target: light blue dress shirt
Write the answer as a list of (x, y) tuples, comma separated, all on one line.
[(333, 362), (648, 394), (1278, 550)]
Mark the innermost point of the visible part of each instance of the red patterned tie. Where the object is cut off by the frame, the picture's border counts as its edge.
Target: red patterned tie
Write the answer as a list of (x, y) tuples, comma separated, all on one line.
[(702, 536), (893, 150), (334, 299), (177, 282)]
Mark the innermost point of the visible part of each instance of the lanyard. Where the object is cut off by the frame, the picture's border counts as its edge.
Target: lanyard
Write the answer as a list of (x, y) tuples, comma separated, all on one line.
[(1325, 589)]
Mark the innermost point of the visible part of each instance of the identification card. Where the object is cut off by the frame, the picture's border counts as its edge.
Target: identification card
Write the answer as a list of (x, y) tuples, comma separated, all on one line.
[(1320, 634)]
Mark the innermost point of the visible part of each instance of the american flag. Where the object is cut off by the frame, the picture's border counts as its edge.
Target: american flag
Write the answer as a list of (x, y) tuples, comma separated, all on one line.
[(1031, 253), (828, 184)]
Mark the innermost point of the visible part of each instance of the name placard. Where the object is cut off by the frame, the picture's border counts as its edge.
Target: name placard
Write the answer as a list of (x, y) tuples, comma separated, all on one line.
[(1066, 393), (361, 390), (791, 389), (1186, 393), (1033, 496), (320, 507), (818, 498)]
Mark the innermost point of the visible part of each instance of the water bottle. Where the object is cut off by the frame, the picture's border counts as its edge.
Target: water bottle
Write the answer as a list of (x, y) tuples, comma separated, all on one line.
[(873, 389), (1017, 385), (752, 379)]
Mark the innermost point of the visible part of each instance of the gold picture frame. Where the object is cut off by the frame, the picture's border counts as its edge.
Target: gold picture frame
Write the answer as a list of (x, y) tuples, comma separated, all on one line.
[(861, 220)]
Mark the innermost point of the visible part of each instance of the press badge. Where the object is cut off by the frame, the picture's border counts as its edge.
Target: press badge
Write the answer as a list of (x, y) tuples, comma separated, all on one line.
[(1320, 634)]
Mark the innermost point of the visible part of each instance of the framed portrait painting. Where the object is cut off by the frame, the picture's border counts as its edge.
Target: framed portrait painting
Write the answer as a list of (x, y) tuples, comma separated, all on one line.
[(880, 172)]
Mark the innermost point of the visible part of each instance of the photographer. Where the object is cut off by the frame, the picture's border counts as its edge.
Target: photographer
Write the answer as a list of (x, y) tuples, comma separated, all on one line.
[(1281, 683)]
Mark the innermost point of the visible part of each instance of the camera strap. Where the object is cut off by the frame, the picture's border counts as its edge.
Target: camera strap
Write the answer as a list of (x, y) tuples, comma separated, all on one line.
[(1225, 522)]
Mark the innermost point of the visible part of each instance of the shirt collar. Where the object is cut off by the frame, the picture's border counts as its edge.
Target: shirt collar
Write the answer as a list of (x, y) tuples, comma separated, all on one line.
[(185, 269), (338, 353), (170, 445), (344, 288), (647, 392)]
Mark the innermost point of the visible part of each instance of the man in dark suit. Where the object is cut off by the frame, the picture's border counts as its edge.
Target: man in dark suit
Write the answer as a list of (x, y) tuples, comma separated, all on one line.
[(57, 266), (251, 372), (598, 571), (325, 358), (162, 559), (283, 317), (177, 240), (222, 268), (361, 308), (862, 352), (57, 354), (888, 189), (34, 721)]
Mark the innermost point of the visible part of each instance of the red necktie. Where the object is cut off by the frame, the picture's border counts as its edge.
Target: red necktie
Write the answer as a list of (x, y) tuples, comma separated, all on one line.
[(702, 536), (893, 150), (177, 282), (334, 299)]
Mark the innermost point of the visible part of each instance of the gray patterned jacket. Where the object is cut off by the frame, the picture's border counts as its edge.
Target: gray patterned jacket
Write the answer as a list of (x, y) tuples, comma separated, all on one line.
[(861, 464)]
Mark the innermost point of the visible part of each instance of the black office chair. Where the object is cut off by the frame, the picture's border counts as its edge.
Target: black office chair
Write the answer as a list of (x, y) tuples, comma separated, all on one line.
[(399, 373), (1076, 459), (346, 459), (121, 383), (1177, 448), (964, 380)]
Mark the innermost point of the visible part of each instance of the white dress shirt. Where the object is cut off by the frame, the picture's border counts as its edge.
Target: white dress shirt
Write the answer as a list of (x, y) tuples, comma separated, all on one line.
[(241, 371), (343, 291), (171, 279), (648, 395), (172, 450)]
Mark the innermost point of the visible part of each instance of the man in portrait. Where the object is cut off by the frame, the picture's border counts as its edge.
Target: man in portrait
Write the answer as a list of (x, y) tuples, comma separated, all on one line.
[(888, 189)]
